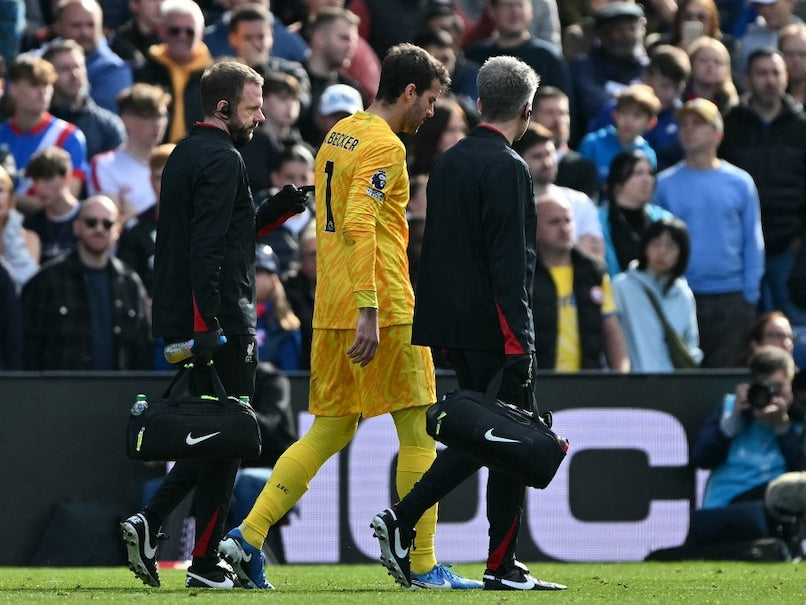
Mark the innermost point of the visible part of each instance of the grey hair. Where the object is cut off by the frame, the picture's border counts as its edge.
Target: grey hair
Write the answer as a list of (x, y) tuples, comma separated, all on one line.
[(506, 85), (184, 7)]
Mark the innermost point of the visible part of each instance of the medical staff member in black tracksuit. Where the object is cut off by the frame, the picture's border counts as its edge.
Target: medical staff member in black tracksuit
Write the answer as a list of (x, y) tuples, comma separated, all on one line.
[(473, 301), (204, 274)]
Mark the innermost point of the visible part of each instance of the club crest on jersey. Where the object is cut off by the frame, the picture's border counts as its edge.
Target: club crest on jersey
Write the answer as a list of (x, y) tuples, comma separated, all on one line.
[(377, 183)]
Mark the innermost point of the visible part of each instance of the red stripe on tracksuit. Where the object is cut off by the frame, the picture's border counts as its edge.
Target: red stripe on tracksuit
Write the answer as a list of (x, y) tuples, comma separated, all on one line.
[(511, 344), (200, 550), (497, 555), (199, 325), (273, 225)]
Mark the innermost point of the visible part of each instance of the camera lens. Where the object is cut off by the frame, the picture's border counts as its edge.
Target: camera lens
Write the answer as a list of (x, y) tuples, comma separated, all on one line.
[(760, 394)]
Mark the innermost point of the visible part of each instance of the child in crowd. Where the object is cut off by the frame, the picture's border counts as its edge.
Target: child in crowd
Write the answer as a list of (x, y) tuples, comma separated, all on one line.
[(636, 111), (668, 74)]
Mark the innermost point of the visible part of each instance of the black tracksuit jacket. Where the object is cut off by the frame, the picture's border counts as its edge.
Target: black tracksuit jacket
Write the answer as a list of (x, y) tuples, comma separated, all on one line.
[(204, 263), (474, 286)]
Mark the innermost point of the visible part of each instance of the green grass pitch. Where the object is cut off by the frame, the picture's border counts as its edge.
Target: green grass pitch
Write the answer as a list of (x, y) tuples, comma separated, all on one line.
[(622, 583)]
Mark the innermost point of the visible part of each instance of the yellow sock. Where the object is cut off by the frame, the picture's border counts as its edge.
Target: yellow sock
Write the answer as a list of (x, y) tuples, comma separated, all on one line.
[(288, 482), (412, 462), (417, 453), (293, 473)]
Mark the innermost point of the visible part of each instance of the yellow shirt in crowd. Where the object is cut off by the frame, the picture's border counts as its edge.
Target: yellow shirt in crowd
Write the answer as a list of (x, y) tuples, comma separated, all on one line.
[(569, 355)]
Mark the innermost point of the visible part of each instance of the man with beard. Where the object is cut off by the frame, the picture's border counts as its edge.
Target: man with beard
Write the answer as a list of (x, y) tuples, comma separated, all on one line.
[(71, 101), (204, 289), (473, 294), (362, 360)]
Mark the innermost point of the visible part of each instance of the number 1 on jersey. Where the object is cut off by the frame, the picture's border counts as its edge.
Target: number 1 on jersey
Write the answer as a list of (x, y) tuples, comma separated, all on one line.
[(330, 225)]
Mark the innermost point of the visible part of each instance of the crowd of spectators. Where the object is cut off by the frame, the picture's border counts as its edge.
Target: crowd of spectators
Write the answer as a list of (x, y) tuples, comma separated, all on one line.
[(684, 111)]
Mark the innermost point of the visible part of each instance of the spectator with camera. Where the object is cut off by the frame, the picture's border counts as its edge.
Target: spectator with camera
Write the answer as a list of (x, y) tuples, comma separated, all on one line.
[(755, 435)]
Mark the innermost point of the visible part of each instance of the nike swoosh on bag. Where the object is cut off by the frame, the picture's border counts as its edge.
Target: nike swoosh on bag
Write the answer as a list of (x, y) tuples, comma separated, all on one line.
[(191, 440), (490, 437)]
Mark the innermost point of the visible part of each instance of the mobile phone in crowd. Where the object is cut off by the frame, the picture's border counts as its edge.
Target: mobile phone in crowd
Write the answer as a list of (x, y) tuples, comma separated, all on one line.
[(690, 31)]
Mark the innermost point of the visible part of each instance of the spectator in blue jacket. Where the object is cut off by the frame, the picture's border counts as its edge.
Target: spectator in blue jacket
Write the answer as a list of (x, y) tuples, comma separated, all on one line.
[(668, 73), (658, 273), (636, 111)]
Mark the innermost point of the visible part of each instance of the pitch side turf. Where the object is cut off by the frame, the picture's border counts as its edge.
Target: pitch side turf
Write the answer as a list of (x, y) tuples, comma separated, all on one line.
[(642, 583)]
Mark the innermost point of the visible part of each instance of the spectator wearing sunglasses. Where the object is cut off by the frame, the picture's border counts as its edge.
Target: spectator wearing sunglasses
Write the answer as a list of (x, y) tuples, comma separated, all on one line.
[(177, 64), (86, 310)]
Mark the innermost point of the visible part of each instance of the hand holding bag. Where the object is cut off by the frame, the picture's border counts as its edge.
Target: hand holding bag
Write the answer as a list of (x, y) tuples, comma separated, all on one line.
[(182, 426), (499, 435)]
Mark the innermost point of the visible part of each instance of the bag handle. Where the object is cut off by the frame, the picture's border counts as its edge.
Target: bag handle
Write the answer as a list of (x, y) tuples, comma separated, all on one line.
[(179, 386), (494, 386)]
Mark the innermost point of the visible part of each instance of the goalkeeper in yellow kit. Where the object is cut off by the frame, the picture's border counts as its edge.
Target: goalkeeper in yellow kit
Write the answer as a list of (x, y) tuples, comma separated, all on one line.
[(362, 359)]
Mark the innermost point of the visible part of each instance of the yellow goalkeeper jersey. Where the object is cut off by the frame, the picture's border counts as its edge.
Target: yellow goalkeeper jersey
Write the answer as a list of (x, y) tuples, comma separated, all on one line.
[(362, 189)]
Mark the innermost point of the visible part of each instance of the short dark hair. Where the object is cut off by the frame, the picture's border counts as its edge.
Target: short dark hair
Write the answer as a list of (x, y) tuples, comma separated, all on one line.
[(548, 92), (50, 162), (433, 37), (298, 152), (249, 12), (406, 64), (328, 15), (670, 62), (142, 99), (276, 82), (534, 135), (765, 52), (34, 70), (679, 233), (225, 81)]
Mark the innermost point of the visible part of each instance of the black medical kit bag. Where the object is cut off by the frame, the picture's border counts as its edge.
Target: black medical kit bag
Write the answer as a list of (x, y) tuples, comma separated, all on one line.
[(181, 425), (498, 435)]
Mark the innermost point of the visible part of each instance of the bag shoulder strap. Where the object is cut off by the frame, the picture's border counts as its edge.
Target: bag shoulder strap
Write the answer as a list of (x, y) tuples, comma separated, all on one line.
[(657, 307)]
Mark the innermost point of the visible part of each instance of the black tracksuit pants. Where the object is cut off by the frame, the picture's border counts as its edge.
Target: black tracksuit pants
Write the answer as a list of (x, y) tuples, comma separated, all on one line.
[(235, 362), (505, 495)]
